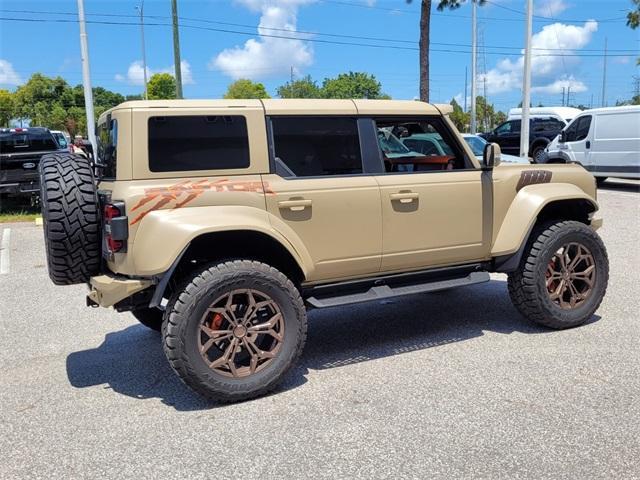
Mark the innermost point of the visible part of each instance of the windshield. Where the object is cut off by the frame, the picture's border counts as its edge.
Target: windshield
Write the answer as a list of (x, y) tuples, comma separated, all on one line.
[(477, 145), (26, 141), (389, 143), (107, 139)]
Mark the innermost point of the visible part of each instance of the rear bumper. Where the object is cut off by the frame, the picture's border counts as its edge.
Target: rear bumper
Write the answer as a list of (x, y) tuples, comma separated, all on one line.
[(20, 187), (107, 290)]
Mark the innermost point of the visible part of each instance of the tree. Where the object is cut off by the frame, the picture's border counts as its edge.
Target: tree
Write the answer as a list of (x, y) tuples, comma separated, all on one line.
[(459, 117), (6, 107), (352, 85), (244, 88), (633, 17), (425, 20), (304, 88), (161, 86)]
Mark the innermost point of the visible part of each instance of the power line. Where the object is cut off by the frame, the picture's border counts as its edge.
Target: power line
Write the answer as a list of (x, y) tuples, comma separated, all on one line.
[(301, 32), (555, 19), (315, 40)]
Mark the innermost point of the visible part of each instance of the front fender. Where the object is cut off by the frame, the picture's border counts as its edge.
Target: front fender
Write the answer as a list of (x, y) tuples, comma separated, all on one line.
[(524, 210), (164, 234)]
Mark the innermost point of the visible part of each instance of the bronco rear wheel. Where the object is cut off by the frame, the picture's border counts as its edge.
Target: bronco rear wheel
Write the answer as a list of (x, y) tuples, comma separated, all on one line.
[(71, 218), (235, 330), (562, 277)]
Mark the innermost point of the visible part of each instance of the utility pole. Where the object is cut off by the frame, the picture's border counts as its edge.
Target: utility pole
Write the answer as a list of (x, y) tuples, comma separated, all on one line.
[(86, 79), (176, 48), (473, 65), (144, 53), (604, 75), (526, 84), (465, 89), (563, 96), (568, 95)]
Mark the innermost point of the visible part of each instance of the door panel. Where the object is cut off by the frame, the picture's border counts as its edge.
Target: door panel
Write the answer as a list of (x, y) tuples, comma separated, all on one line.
[(431, 219), (337, 218)]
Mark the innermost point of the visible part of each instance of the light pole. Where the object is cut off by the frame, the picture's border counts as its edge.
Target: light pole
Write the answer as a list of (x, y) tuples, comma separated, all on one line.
[(474, 36), (144, 52), (86, 79), (526, 84)]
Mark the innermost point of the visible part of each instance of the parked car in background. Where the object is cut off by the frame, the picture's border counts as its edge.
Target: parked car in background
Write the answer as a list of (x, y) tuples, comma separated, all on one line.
[(565, 114), (605, 141), (477, 144), (541, 132), (63, 139), (20, 153)]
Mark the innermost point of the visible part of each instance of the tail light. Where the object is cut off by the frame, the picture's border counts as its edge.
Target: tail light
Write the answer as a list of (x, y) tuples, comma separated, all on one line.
[(115, 228)]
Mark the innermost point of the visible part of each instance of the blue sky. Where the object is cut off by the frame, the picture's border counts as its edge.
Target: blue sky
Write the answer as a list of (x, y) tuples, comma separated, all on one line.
[(214, 58)]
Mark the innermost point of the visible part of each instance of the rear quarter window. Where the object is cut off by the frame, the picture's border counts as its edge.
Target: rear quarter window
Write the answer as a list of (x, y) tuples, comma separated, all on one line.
[(189, 143)]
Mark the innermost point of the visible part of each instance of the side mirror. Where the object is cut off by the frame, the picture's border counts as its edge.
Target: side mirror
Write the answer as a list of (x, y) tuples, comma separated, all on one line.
[(491, 156), (563, 136)]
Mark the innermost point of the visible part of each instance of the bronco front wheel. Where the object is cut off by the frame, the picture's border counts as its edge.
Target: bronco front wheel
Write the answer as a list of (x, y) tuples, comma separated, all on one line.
[(235, 330), (562, 277)]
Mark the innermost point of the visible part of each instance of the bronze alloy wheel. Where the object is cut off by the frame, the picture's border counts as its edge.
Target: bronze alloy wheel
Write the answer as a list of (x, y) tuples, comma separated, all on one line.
[(241, 333), (570, 275)]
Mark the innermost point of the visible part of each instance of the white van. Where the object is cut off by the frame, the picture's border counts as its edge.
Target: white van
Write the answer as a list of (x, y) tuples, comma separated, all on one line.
[(565, 114), (606, 141)]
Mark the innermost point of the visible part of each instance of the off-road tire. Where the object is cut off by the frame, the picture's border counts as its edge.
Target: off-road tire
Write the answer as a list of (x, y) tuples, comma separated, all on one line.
[(527, 285), (149, 317), (71, 218), (182, 326)]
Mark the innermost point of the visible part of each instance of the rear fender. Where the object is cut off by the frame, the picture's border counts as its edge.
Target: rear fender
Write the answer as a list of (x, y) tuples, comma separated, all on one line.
[(524, 210), (164, 234)]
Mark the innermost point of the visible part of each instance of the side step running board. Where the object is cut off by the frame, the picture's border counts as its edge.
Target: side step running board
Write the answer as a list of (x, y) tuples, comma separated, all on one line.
[(380, 292)]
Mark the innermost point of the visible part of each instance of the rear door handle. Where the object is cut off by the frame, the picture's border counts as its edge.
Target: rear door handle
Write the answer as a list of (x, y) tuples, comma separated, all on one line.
[(404, 197), (295, 205)]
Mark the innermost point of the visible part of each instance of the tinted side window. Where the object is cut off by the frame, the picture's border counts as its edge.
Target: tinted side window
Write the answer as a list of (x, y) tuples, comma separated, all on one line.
[(316, 146), (190, 143), (582, 129), (107, 137)]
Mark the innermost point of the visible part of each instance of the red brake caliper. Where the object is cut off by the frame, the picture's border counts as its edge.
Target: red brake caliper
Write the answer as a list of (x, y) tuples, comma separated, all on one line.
[(216, 321)]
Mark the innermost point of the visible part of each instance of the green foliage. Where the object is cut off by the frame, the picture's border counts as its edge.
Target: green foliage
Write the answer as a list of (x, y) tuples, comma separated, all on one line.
[(244, 88), (453, 4), (352, 85), (633, 17), (459, 117), (304, 88), (635, 100), (161, 86), (6, 107), (486, 116), (53, 103)]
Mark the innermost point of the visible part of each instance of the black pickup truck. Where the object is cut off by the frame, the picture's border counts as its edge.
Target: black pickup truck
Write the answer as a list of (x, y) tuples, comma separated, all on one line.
[(20, 153), (541, 132)]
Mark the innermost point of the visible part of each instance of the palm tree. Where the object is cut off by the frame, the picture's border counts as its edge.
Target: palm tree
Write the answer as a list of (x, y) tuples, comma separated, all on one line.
[(425, 20)]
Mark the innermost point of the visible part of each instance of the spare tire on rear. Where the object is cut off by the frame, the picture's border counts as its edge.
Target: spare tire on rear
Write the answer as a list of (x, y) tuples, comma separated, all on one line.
[(71, 218)]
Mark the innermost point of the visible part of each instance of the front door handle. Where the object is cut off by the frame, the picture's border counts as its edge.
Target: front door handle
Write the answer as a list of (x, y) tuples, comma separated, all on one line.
[(404, 197), (295, 205), (588, 144)]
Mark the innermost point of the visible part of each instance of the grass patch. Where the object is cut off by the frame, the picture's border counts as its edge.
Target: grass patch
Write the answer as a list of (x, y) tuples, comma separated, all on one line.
[(17, 209)]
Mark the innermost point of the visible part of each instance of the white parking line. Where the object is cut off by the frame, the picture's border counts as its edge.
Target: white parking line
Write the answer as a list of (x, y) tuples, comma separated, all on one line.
[(5, 251)]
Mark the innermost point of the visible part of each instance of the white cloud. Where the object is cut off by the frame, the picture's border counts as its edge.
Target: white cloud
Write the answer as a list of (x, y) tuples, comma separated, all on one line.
[(8, 76), (135, 73), (550, 8), (268, 56), (551, 72)]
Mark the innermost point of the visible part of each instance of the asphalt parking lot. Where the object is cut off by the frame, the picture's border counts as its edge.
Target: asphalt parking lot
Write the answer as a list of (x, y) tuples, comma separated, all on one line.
[(449, 384)]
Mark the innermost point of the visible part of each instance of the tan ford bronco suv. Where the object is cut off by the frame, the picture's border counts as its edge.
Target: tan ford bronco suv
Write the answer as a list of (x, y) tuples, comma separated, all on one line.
[(220, 222)]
